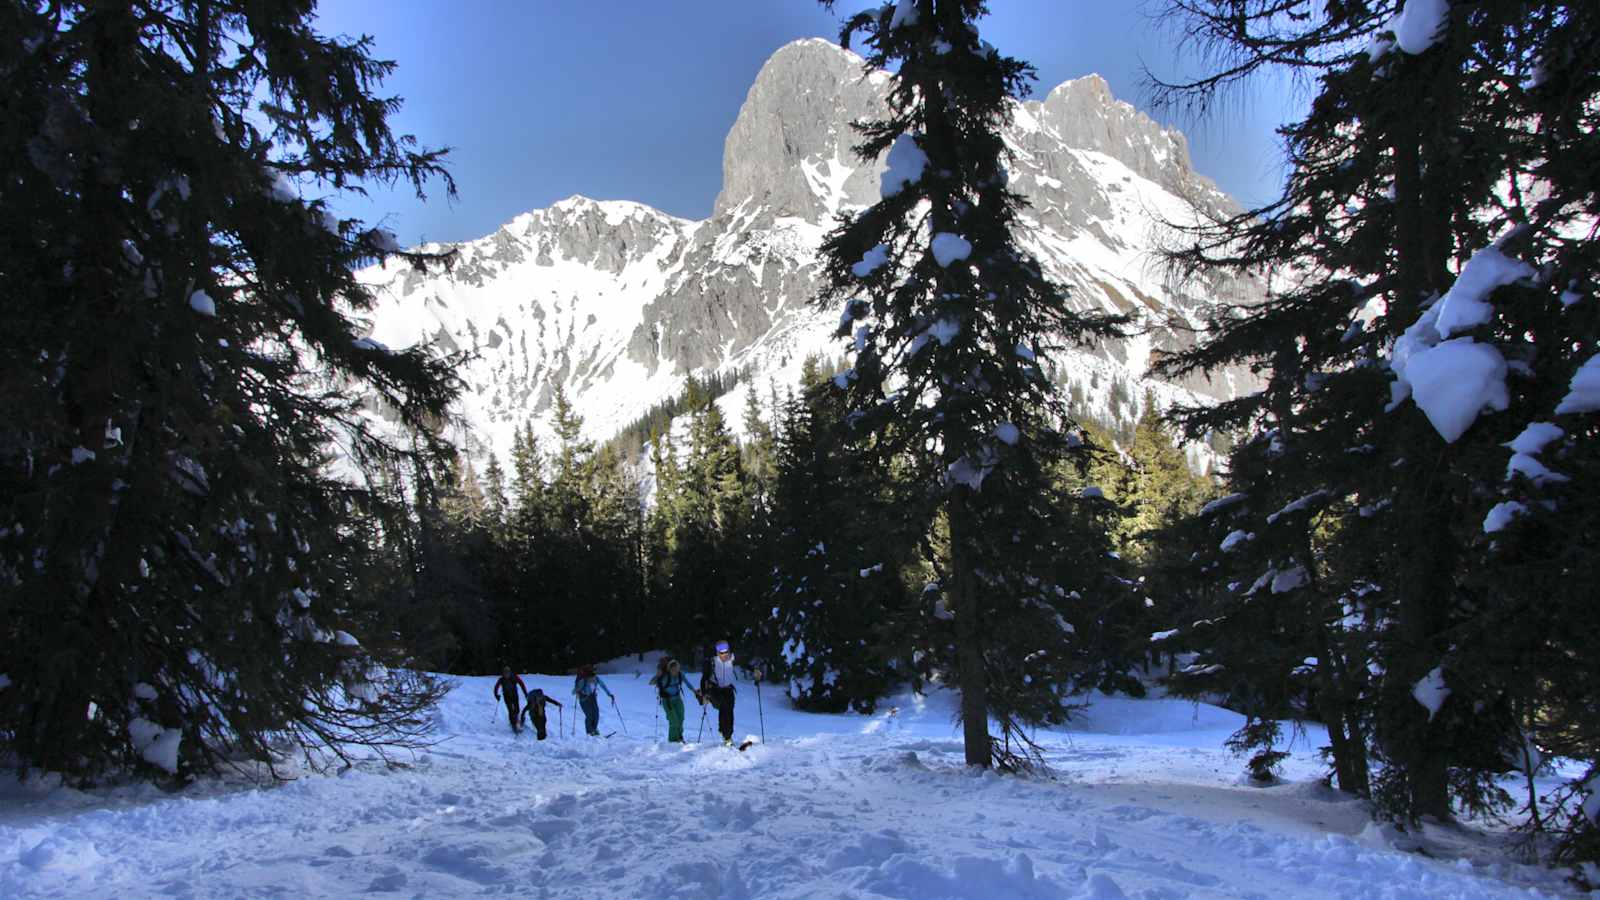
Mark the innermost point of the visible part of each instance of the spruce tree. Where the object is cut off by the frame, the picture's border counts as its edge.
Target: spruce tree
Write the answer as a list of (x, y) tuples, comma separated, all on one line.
[(1439, 228), (757, 451), (529, 559), (714, 545), (837, 610), (496, 506), (180, 358), (451, 553), (949, 320), (671, 625), (1160, 489)]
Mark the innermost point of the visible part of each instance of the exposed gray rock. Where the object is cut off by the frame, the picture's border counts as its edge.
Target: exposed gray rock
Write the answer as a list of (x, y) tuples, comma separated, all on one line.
[(606, 237), (797, 115), (731, 272)]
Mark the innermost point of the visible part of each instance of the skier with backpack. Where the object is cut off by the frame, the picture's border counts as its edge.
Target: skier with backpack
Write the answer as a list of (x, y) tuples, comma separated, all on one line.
[(586, 687), (669, 684), (536, 703), (716, 687), (511, 683)]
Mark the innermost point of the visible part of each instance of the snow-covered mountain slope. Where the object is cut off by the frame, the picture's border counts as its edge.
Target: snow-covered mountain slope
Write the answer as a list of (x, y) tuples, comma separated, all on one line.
[(619, 303), (1145, 804)]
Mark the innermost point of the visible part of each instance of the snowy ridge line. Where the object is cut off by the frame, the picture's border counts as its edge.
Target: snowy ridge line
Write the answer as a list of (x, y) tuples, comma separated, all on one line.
[(1146, 803)]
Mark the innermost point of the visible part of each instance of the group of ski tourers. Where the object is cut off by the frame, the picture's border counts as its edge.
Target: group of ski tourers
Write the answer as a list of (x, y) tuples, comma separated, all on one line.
[(717, 678)]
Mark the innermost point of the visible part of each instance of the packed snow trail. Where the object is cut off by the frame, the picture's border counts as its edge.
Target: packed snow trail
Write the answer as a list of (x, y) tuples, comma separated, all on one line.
[(1145, 804)]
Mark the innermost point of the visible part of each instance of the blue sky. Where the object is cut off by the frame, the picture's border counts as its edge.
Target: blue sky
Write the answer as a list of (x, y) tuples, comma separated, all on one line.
[(631, 99)]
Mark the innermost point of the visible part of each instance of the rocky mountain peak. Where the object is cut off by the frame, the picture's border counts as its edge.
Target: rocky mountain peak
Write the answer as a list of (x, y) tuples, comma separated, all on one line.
[(789, 149), (608, 235), (1084, 114)]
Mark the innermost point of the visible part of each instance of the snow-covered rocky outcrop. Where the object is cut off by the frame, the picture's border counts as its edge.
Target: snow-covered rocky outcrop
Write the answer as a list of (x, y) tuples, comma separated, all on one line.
[(619, 303)]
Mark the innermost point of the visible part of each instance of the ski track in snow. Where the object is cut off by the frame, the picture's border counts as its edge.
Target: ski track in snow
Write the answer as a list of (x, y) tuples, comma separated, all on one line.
[(1145, 804)]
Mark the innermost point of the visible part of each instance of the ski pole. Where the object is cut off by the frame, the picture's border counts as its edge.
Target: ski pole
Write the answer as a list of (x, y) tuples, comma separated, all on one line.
[(618, 711), (702, 733), (761, 712)]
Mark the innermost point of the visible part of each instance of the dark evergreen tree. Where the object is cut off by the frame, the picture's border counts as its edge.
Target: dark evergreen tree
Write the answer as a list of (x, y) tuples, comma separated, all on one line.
[(565, 557), (1438, 224), (758, 451), (1156, 491), (713, 548), (527, 564), (949, 319), (179, 557), (672, 625), (496, 508), (1110, 625), (451, 552), (1275, 631), (838, 612)]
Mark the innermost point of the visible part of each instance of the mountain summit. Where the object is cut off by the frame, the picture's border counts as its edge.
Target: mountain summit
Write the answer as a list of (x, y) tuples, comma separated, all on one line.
[(618, 302)]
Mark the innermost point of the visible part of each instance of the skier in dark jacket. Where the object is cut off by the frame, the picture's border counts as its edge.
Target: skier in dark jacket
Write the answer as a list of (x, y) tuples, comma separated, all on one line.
[(536, 703), (511, 683), (716, 687), (586, 687), (669, 684)]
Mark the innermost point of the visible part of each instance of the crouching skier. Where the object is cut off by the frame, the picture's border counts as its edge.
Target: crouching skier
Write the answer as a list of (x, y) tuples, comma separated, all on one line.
[(716, 687), (669, 686), (536, 703), (511, 683), (586, 687)]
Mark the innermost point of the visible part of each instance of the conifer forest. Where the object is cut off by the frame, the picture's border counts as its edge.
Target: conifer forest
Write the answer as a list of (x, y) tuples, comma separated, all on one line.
[(232, 527)]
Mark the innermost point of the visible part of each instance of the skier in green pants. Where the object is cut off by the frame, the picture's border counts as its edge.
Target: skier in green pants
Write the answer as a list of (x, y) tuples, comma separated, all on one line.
[(669, 686)]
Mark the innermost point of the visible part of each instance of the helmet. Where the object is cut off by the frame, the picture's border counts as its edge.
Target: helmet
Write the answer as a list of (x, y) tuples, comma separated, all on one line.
[(722, 646)]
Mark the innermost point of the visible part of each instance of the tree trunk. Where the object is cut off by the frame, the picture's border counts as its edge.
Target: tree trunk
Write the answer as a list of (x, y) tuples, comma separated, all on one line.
[(1344, 729), (969, 641), (1426, 579)]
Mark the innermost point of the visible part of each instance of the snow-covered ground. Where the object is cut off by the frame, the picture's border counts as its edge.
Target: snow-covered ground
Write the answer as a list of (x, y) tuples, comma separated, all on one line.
[(1145, 803)]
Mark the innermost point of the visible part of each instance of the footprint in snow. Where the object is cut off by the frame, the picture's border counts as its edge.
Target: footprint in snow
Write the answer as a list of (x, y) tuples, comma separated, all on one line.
[(384, 884), (470, 862), (1134, 813), (868, 850), (560, 805), (552, 830), (61, 854), (332, 856), (722, 814)]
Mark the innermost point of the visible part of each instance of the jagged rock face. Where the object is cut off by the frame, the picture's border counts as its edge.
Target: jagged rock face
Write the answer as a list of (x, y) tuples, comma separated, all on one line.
[(790, 149), (618, 302), (736, 278), (1083, 114)]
